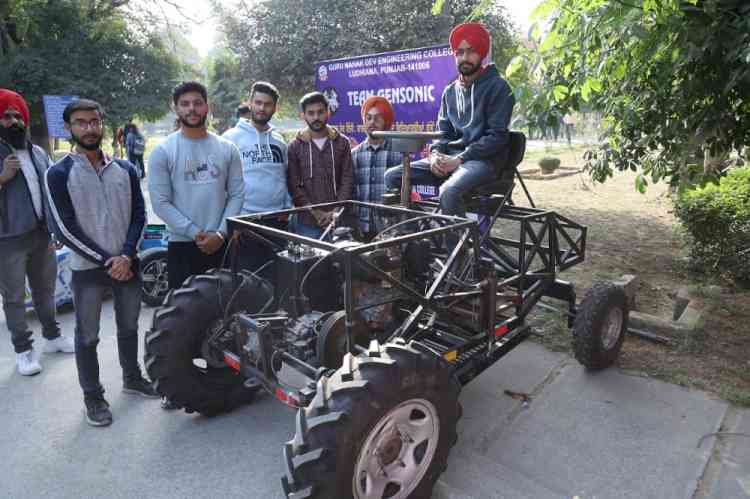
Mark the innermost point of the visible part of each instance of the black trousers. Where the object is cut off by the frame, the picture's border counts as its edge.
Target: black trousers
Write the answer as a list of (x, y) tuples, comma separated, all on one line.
[(185, 259)]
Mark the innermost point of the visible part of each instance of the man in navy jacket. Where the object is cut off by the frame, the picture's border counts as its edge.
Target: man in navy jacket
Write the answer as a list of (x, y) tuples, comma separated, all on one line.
[(98, 211)]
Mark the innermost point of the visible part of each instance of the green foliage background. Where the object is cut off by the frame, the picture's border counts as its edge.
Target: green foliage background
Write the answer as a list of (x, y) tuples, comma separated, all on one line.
[(281, 40), (670, 77), (87, 48)]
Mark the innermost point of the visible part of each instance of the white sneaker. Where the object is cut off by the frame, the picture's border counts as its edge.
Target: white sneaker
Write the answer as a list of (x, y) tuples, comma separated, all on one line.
[(27, 363), (60, 344)]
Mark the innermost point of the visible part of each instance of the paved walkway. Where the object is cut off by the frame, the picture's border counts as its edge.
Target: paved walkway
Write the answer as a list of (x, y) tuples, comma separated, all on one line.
[(603, 435)]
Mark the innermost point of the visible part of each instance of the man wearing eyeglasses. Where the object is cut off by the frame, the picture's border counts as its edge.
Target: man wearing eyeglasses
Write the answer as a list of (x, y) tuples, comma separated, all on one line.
[(25, 247), (475, 113), (98, 211)]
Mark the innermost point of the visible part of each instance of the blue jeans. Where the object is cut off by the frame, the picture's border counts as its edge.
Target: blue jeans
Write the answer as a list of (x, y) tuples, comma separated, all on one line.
[(306, 230), (463, 180), (29, 255), (89, 290)]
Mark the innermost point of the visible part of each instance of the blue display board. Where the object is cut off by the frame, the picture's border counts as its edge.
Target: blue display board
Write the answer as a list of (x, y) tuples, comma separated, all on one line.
[(54, 105)]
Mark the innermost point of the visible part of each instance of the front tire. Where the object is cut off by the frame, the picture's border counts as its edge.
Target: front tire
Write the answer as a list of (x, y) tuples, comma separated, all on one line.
[(381, 426), (177, 335), (600, 326)]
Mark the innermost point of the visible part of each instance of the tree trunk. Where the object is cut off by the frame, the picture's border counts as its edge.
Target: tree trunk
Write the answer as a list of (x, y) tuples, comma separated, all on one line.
[(39, 133)]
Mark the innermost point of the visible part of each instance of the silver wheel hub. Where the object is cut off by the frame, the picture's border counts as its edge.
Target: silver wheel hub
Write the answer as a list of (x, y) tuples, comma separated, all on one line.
[(611, 329), (397, 452), (155, 277)]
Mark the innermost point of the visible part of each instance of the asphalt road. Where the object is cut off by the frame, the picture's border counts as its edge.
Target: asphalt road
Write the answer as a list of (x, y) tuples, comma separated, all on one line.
[(602, 435)]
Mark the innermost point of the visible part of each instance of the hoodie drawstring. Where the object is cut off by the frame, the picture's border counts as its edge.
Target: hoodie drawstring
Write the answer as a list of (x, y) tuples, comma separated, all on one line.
[(333, 165), (461, 103)]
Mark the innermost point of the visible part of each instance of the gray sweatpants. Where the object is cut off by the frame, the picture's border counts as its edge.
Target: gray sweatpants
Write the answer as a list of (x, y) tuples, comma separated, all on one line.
[(28, 255)]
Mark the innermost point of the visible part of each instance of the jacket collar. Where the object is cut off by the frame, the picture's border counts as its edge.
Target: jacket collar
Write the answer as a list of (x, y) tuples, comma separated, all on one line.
[(305, 136)]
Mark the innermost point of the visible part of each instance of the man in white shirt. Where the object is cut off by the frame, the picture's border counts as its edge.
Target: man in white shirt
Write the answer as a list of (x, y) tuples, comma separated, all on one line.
[(26, 250)]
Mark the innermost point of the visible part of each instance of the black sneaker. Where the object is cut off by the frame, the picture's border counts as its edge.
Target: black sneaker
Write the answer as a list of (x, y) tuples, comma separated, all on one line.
[(169, 405), (97, 411), (139, 386)]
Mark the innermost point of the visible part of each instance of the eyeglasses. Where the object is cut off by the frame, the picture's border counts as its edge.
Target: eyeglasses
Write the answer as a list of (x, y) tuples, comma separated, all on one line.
[(95, 124)]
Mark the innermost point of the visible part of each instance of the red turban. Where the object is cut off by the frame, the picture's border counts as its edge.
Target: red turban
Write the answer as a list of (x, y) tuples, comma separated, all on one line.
[(475, 35), (382, 105), (9, 98)]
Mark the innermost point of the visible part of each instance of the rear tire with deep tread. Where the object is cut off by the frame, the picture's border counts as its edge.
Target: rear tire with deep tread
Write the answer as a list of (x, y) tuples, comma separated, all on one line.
[(178, 329), (350, 404), (603, 304)]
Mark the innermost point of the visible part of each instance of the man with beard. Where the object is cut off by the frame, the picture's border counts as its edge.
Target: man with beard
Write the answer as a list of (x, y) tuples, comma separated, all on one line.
[(25, 247), (320, 166), (195, 183), (98, 211), (371, 158), (264, 167), (474, 114)]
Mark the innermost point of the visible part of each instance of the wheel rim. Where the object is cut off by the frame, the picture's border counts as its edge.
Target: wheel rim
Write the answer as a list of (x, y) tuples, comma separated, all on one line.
[(155, 279), (398, 451), (611, 328)]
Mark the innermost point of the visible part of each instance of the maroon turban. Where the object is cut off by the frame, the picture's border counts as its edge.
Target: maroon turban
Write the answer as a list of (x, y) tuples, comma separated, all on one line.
[(475, 35), (9, 98)]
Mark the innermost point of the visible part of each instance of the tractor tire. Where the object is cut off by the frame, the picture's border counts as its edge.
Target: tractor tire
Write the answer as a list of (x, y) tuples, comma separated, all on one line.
[(600, 326), (153, 270), (176, 337), (393, 409)]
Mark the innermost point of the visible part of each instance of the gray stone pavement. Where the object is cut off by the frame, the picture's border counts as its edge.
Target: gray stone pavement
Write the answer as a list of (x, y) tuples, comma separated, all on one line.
[(586, 435)]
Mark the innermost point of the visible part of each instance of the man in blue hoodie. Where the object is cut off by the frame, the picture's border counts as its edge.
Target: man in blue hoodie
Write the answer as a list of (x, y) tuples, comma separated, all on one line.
[(264, 168), (474, 115)]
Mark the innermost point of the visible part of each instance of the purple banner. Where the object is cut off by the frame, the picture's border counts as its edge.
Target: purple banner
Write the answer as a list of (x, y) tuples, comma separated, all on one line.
[(412, 80)]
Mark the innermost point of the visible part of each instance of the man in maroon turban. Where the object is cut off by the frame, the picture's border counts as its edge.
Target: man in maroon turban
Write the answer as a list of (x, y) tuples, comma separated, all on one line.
[(474, 116), (370, 159), (26, 251)]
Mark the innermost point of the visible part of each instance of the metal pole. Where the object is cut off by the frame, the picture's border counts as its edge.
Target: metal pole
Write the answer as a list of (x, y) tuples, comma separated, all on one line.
[(406, 181)]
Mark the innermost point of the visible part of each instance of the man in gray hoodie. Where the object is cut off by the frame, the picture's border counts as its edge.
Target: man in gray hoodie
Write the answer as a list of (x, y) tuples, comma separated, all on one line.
[(474, 115), (264, 168), (195, 183)]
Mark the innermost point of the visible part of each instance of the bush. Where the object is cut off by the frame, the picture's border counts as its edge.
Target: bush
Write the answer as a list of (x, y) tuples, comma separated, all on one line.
[(717, 219), (549, 164)]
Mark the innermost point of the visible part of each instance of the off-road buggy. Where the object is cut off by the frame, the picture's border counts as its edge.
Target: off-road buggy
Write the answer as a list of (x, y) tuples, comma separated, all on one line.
[(373, 340)]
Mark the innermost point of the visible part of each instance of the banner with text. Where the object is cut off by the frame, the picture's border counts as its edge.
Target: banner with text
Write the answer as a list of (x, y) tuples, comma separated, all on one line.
[(412, 80)]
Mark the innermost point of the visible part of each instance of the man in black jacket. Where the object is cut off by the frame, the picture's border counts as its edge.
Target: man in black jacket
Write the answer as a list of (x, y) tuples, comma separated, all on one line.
[(25, 246), (474, 115)]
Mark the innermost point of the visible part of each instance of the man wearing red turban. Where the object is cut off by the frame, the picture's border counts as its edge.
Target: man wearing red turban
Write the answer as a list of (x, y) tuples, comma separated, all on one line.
[(370, 159), (474, 116), (25, 247)]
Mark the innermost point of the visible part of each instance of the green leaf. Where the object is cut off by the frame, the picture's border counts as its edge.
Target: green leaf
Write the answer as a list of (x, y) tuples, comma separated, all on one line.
[(514, 66), (640, 183), (437, 7), (543, 10), (560, 92)]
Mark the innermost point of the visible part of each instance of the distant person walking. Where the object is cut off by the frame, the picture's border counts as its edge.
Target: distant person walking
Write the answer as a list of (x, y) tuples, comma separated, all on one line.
[(135, 146)]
